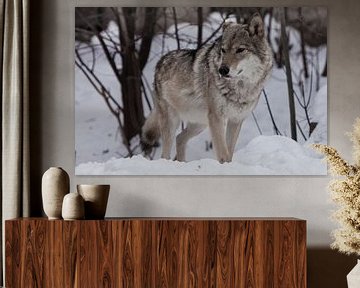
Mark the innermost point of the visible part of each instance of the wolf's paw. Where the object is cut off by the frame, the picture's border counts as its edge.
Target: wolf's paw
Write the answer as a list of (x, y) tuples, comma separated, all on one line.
[(179, 158), (224, 159), (147, 148)]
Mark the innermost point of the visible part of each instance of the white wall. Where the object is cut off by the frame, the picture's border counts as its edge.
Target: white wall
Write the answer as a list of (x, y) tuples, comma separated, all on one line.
[(303, 197)]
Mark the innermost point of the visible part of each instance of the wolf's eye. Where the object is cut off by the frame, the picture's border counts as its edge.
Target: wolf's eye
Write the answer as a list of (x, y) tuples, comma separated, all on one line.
[(223, 50), (240, 50)]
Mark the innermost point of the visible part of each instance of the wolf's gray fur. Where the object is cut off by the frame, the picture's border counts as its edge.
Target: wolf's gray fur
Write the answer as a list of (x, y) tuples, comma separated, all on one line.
[(216, 86)]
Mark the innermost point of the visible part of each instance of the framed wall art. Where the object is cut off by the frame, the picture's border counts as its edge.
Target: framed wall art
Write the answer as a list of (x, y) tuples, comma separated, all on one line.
[(200, 90)]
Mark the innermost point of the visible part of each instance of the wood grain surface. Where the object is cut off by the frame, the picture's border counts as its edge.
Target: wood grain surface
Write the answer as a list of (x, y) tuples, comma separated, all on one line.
[(137, 253)]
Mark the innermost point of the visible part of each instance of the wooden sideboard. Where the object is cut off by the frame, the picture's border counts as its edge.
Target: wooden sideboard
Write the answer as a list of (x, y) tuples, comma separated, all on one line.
[(156, 252)]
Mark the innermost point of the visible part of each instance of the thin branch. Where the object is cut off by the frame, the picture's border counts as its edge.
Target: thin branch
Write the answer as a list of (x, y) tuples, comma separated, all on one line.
[(301, 131), (143, 83), (92, 78), (176, 28), (256, 122), (200, 26), (213, 34), (271, 12), (84, 68), (277, 131)]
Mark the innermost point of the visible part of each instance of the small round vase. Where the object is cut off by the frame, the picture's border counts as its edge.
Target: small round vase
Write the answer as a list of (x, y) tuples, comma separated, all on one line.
[(54, 186), (96, 198), (73, 207)]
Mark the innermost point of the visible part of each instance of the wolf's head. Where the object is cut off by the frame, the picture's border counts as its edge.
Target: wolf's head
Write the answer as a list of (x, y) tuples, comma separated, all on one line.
[(243, 48)]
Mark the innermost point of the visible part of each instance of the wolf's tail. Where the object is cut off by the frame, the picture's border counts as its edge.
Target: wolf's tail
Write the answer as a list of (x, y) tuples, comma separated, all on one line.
[(150, 132)]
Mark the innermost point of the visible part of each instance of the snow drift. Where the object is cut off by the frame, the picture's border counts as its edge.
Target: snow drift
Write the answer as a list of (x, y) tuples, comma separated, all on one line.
[(264, 155)]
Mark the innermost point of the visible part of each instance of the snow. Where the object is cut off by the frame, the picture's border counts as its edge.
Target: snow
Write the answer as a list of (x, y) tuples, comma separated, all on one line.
[(99, 147), (264, 155)]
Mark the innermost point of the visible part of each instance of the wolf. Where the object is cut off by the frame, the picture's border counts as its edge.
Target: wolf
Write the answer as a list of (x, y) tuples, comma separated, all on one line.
[(215, 86)]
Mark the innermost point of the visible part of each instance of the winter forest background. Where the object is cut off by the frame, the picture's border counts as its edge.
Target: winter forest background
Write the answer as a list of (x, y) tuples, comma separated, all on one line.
[(116, 50)]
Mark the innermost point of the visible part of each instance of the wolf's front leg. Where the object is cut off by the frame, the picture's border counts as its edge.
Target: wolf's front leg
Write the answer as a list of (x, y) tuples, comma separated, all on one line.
[(232, 134), (169, 122), (217, 130)]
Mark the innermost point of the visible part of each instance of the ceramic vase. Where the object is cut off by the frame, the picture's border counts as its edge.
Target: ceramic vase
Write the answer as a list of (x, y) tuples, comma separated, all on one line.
[(96, 198), (55, 185), (353, 278), (73, 207)]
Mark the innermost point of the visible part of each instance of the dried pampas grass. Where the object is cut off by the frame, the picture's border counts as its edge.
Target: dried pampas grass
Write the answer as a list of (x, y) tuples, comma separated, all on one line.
[(345, 192)]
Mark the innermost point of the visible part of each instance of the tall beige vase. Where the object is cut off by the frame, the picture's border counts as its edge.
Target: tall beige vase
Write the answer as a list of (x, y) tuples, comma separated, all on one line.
[(96, 198), (55, 185)]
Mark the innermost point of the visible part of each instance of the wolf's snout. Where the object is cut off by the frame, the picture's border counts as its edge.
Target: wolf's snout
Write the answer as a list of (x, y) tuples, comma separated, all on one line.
[(224, 70)]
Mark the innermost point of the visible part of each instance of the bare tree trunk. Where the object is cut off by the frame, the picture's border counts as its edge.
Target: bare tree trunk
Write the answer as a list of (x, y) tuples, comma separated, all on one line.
[(129, 113), (238, 15), (130, 75), (284, 40), (302, 41), (148, 32), (200, 26), (279, 57)]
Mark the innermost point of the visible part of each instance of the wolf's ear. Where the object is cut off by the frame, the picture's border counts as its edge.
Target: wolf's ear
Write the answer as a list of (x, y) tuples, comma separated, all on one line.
[(256, 25), (227, 25)]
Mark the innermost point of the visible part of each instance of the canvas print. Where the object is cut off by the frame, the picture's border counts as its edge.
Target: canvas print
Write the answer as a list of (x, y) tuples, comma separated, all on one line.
[(200, 90)]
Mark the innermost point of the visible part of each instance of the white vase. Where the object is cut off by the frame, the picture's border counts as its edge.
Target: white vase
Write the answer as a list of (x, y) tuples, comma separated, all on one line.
[(353, 278), (73, 207), (55, 185), (96, 198)]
